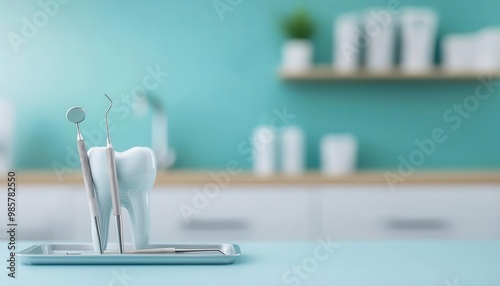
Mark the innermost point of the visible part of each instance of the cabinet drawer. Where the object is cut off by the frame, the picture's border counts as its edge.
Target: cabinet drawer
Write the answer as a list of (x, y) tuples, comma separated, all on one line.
[(236, 213), (413, 212)]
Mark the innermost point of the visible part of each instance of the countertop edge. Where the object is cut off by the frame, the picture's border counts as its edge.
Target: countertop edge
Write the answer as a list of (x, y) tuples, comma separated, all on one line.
[(247, 178)]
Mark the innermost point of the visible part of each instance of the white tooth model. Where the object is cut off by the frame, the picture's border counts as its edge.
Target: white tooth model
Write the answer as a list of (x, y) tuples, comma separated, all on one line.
[(136, 172)]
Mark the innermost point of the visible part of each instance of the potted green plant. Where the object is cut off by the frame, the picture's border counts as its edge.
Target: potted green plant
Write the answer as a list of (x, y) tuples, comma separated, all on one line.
[(298, 49)]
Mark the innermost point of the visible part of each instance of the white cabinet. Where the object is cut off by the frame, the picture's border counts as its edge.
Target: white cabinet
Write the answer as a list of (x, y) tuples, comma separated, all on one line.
[(412, 212), (57, 213), (60, 213), (236, 213), (263, 213)]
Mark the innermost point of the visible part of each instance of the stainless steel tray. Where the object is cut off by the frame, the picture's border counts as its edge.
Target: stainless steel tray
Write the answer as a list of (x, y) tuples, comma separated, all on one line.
[(57, 254)]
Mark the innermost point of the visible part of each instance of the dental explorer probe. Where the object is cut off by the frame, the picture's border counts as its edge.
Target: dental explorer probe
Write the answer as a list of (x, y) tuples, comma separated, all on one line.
[(173, 250), (76, 115), (166, 250), (113, 179)]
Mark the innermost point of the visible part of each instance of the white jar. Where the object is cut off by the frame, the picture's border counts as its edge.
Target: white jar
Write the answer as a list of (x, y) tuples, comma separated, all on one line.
[(459, 52), (488, 50), (339, 154)]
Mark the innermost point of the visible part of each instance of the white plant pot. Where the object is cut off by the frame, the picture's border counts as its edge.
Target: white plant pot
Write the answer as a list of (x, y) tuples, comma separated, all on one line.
[(297, 55)]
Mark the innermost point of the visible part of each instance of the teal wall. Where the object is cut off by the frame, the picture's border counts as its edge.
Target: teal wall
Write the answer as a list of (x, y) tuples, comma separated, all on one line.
[(222, 82)]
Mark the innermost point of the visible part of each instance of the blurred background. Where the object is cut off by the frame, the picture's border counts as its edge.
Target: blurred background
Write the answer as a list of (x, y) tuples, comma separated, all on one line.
[(362, 119), (222, 82)]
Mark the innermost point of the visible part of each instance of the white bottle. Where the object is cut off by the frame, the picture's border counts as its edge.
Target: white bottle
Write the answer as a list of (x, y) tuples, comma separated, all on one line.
[(379, 33), (347, 49), (263, 151), (419, 32), (292, 151), (339, 154)]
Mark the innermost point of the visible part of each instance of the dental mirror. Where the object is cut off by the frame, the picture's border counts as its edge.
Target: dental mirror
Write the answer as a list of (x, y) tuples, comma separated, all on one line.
[(75, 114)]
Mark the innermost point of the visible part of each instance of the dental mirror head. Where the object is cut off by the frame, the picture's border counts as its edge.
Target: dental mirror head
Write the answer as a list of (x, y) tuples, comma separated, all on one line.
[(75, 114)]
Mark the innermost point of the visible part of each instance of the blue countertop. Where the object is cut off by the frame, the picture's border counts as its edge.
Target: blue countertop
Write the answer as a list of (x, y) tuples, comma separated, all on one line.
[(379, 263)]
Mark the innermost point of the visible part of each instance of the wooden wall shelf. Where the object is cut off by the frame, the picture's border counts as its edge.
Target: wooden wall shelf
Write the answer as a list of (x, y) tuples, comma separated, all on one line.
[(328, 73), (165, 178)]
